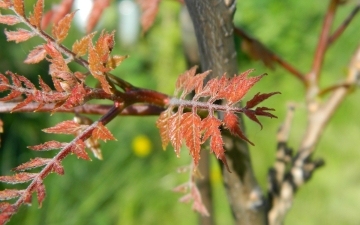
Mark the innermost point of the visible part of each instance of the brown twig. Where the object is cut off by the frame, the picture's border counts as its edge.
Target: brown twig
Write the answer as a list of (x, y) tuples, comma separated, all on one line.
[(287, 66), (314, 75), (344, 25)]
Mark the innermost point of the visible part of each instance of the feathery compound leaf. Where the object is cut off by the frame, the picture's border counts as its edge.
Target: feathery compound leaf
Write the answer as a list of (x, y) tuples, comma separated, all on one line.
[(50, 145), (18, 178), (10, 194), (35, 19), (9, 19), (58, 168), (19, 7), (61, 29), (76, 97), (37, 162), (19, 36), (36, 55), (65, 127), (78, 148), (191, 124), (102, 133)]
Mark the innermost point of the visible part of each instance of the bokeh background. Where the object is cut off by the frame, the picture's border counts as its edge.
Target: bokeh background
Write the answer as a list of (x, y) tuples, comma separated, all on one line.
[(132, 185)]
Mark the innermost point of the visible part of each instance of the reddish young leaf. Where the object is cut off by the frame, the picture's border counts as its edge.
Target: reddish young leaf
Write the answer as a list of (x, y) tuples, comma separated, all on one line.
[(198, 205), (36, 55), (37, 162), (35, 19), (24, 103), (191, 124), (115, 61), (258, 98), (76, 97), (40, 190), (261, 111), (97, 69), (5, 4), (163, 124), (10, 194), (211, 127), (18, 178), (61, 10), (50, 145), (19, 7), (102, 133), (58, 168), (183, 188), (175, 132), (150, 9), (12, 95), (19, 36), (232, 124), (26, 82), (43, 85), (80, 47), (105, 45), (61, 29), (65, 127), (78, 148), (184, 78), (9, 19), (7, 210), (95, 14)]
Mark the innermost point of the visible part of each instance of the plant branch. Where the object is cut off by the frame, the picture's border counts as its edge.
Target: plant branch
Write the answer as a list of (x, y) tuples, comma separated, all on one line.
[(96, 109), (111, 114), (314, 75), (344, 25), (266, 51)]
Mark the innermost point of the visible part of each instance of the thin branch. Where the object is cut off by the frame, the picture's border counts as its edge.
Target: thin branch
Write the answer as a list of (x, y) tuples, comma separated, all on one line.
[(96, 109), (333, 88), (287, 66), (112, 113), (344, 25), (314, 75)]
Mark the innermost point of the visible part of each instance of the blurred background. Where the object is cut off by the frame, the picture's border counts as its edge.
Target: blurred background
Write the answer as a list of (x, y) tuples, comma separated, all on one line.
[(132, 184)]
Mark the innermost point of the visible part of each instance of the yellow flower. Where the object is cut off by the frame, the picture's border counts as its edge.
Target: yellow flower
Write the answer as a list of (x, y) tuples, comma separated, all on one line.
[(141, 146)]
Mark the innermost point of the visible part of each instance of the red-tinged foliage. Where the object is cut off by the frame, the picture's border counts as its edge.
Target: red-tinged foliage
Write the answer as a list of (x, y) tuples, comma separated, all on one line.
[(149, 10), (35, 19), (175, 127), (19, 36), (258, 98), (115, 61), (10, 194), (78, 148), (232, 124), (65, 127), (36, 55), (80, 47), (40, 190), (57, 13), (198, 205), (102, 133), (37, 162), (60, 30), (95, 14), (19, 7), (18, 178), (7, 210), (190, 131), (211, 127), (175, 132), (9, 19), (5, 4), (57, 167), (50, 145), (97, 69), (163, 125), (76, 97)]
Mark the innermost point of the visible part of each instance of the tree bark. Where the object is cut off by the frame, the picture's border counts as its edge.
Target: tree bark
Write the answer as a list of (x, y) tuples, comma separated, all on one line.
[(213, 24)]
